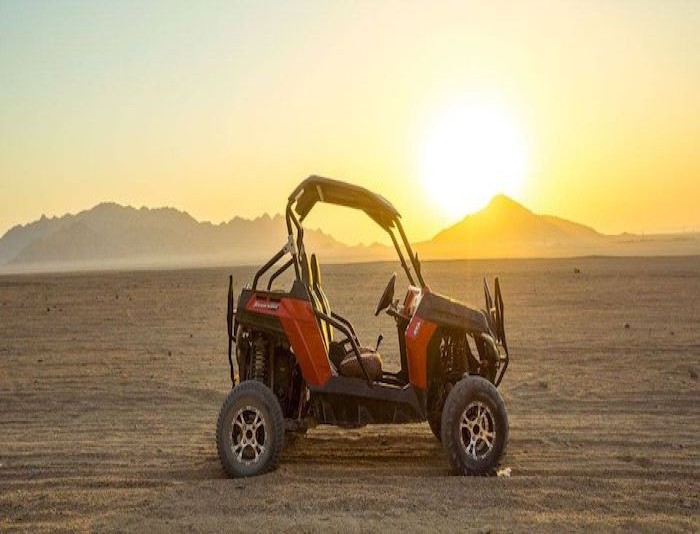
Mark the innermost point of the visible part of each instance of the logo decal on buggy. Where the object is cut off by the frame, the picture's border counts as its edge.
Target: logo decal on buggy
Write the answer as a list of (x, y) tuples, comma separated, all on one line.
[(266, 305)]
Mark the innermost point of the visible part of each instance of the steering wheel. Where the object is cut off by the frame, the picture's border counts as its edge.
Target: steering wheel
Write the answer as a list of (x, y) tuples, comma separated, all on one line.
[(387, 296)]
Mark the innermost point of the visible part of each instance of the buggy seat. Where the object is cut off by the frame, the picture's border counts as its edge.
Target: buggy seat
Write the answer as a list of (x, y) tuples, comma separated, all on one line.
[(346, 364)]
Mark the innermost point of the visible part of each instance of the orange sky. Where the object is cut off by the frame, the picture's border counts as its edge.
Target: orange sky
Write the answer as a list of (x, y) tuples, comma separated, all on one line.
[(220, 109)]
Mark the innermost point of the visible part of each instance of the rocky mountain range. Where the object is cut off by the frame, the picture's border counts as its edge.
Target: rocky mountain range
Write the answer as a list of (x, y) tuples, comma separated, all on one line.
[(111, 236)]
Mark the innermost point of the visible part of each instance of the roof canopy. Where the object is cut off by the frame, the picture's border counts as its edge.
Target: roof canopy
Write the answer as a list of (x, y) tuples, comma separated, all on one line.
[(318, 189)]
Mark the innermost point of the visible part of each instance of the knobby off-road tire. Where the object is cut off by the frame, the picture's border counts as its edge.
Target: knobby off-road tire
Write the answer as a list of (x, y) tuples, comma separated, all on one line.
[(250, 430), (474, 427)]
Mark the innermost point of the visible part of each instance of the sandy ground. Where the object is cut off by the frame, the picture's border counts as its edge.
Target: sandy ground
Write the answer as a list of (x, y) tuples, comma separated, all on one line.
[(110, 385)]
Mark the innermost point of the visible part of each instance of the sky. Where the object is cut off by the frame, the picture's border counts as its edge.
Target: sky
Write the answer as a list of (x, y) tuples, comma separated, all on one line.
[(586, 110)]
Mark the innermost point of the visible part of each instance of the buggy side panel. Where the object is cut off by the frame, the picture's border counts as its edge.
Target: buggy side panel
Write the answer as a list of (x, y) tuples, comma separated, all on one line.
[(418, 335), (452, 314), (302, 331), (304, 334)]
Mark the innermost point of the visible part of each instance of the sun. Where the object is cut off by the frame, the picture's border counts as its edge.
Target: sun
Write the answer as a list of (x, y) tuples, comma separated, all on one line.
[(471, 153)]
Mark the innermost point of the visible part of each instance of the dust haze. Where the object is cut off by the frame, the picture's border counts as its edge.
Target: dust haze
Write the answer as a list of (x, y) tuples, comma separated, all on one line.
[(110, 236)]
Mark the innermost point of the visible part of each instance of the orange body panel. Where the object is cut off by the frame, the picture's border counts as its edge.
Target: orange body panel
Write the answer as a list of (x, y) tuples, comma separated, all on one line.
[(418, 334), (303, 332)]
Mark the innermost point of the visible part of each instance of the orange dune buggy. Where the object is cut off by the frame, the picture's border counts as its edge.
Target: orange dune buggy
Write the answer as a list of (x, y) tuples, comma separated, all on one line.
[(300, 363)]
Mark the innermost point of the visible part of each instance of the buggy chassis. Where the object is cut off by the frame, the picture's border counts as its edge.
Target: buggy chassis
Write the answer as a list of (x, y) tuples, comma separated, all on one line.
[(290, 363)]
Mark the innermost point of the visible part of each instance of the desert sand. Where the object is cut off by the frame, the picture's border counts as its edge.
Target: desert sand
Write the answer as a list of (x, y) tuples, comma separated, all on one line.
[(111, 383)]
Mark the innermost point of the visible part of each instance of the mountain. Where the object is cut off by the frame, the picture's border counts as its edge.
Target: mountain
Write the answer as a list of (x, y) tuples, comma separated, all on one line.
[(505, 228), (111, 236)]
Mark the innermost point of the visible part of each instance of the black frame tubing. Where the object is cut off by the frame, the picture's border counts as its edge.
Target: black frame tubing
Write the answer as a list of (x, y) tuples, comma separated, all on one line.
[(355, 347), (346, 323), (278, 272), (406, 269), (267, 266), (409, 250)]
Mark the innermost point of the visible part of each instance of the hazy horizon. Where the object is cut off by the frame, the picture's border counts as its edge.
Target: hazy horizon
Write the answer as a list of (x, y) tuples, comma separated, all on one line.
[(112, 236), (272, 215)]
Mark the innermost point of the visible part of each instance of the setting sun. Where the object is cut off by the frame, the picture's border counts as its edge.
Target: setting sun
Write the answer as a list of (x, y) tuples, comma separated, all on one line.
[(471, 153)]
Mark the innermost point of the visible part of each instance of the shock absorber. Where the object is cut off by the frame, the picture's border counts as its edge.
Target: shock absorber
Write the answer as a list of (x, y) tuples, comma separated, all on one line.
[(260, 360)]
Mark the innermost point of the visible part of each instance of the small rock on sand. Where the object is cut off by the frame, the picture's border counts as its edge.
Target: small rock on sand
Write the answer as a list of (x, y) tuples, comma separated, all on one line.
[(504, 472)]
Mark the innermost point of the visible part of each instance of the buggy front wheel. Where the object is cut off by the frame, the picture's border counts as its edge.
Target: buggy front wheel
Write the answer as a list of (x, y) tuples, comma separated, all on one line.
[(474, 427), (250, 430)]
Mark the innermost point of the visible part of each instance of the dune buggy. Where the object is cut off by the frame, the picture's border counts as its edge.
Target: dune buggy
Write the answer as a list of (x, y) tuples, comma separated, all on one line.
[(300, 363)]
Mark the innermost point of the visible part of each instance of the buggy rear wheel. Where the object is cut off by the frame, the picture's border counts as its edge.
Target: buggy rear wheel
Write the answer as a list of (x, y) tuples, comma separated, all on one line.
[(474, 427), (250, 430)]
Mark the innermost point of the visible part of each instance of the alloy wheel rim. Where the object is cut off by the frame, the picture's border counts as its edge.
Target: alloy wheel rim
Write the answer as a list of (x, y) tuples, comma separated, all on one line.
[(477, 430), (248, 435)]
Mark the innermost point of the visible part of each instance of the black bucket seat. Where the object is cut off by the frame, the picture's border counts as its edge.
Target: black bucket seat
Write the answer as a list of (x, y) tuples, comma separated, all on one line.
[(346, 364)]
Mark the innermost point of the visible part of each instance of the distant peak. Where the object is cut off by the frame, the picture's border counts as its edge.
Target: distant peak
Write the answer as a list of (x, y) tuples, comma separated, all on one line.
[(500, 205), (501, 201), (107, 205), (104, 208)]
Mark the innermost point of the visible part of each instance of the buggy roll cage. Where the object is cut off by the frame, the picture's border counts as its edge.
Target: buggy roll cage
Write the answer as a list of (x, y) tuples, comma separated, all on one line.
[(319, 189), (302, 200)]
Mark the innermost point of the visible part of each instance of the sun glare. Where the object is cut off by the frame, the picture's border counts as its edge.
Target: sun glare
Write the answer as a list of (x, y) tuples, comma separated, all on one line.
[(472, 153)]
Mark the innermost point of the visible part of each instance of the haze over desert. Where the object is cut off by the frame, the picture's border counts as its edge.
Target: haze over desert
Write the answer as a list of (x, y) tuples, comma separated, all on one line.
[(111, 236)]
